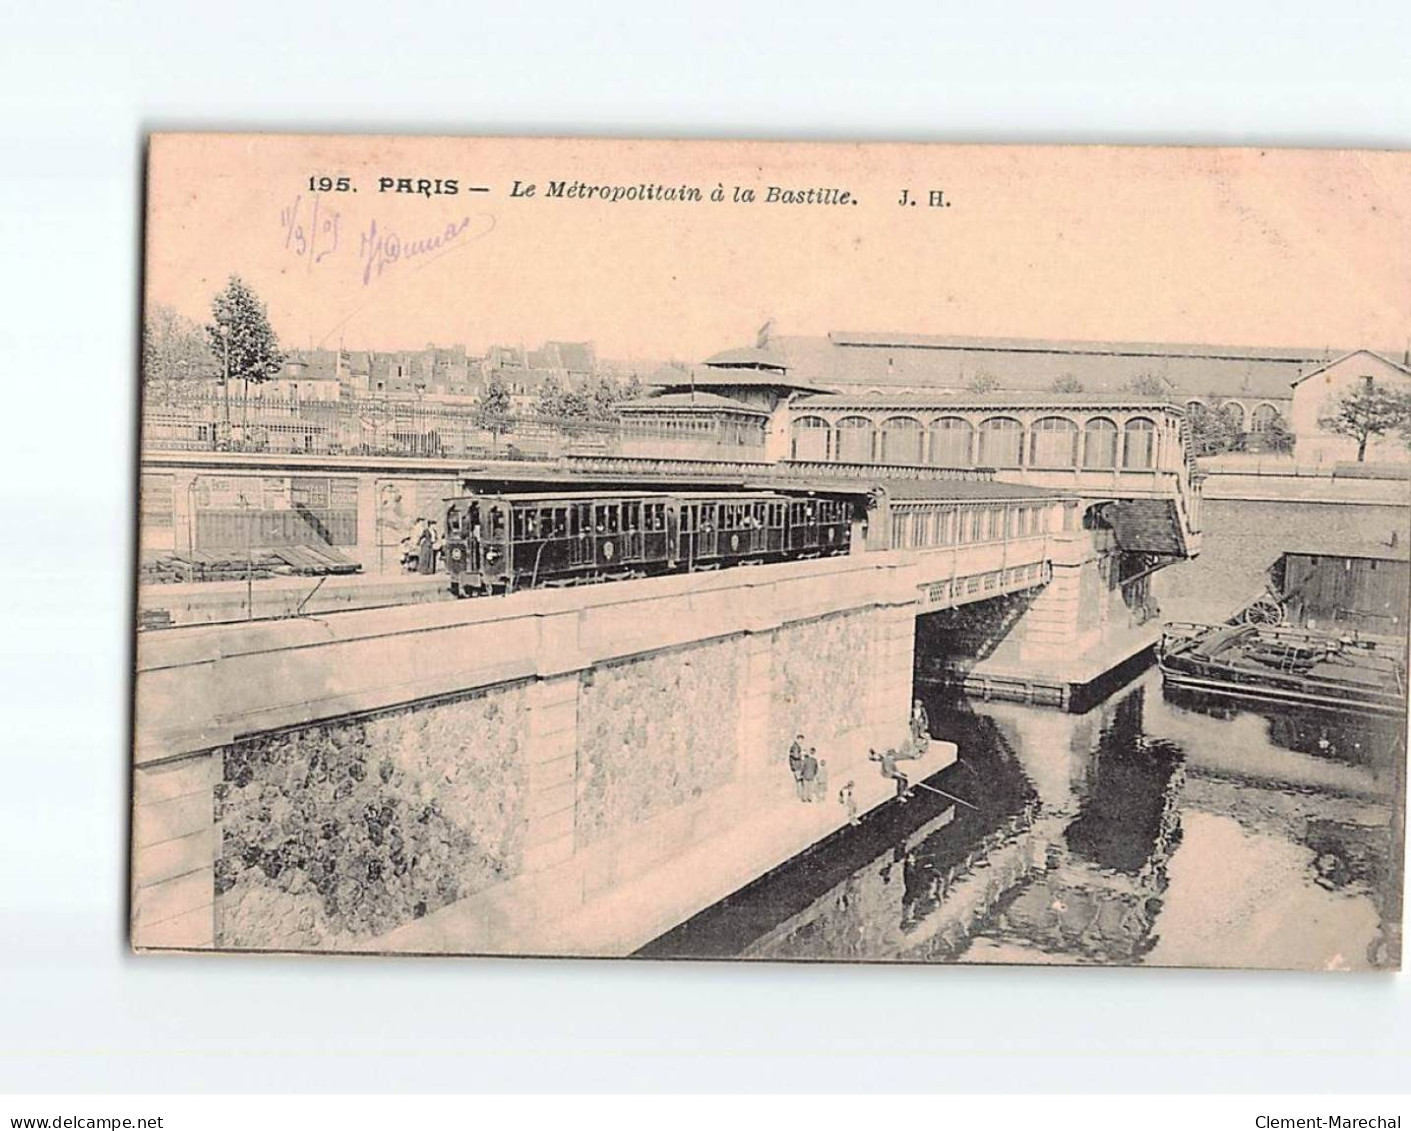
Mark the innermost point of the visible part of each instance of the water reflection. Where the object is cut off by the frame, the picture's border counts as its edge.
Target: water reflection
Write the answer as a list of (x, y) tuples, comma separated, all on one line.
[(1156, 828)]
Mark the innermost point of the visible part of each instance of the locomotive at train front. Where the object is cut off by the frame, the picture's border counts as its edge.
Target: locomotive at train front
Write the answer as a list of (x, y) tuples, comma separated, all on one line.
[(477, 549)]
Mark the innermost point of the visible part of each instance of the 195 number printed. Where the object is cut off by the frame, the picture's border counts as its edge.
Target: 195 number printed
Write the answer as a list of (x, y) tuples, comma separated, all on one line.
[(330, 184)]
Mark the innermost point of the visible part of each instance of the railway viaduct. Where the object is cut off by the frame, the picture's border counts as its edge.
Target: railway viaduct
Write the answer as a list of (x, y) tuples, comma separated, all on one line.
[(576, 771)]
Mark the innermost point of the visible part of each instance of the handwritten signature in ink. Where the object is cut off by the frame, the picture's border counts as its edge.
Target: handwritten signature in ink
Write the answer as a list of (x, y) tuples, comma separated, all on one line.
[(382, 248)]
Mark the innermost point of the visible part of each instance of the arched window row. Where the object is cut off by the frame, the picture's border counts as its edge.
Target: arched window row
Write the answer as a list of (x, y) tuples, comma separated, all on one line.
[(1050, 442)]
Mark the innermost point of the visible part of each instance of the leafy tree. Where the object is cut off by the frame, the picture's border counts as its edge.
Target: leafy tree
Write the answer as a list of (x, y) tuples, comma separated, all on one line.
[(1066, 383), (575, 408), (605, 398), (551, 394), (174, 353), (492, 407), (1368, 411), (633, 390), (1278, 436), (1148, 385), (1212, 429), (240, 325), (983, 382)]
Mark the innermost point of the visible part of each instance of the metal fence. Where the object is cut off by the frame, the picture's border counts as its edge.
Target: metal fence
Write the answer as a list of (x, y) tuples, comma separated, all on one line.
[(384, 426)]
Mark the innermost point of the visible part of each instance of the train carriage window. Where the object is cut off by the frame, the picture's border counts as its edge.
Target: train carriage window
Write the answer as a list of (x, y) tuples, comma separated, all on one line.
[(497, 523), (560, 522)]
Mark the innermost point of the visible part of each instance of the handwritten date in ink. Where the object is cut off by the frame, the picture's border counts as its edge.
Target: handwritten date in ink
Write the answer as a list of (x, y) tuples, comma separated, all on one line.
[(310, 232)]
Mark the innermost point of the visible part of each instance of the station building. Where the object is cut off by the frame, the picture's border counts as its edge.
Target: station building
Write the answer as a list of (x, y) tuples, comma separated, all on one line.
[(1316, 394)]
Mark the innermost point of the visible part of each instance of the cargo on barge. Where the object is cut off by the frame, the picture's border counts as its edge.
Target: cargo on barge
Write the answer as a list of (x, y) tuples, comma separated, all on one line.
[(1269, 662)]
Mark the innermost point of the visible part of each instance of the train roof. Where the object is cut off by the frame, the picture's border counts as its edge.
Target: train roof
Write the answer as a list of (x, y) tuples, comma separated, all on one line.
[(585, 496)]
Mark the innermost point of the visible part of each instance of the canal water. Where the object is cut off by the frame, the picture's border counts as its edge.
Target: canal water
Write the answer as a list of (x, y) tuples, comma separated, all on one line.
[(1157, 828)]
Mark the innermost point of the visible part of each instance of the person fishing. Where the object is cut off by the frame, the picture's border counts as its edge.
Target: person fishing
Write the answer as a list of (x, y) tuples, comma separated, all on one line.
[(889, 770)]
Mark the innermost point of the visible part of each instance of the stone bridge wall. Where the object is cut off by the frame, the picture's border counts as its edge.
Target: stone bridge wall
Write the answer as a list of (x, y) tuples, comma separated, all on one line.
[(356, 782)]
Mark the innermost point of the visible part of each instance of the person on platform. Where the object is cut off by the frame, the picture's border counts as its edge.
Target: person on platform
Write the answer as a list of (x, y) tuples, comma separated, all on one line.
[(820, 783), (849, 803), (426, 551), (412, 542), (808, 775), (920, 723), (796, 764), (438, 541)]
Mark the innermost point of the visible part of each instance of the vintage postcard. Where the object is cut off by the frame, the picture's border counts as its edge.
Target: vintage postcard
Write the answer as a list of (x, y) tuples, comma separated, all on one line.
[(876, 553)]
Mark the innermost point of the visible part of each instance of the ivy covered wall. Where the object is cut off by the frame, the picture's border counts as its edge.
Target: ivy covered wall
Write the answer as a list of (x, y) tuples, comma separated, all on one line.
[(336, 833)]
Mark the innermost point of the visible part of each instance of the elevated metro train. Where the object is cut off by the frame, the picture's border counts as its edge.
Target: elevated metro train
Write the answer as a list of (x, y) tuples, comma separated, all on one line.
[(502, 543)]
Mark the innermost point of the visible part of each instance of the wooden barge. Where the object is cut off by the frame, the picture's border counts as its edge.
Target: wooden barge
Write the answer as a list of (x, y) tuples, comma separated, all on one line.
[(1296, 666)]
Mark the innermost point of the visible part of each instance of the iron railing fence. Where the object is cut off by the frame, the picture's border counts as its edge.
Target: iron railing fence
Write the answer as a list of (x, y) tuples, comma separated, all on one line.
[(182, 420)]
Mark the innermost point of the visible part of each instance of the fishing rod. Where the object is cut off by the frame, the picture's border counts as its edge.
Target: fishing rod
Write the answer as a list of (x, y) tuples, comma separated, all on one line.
[(951, 797)]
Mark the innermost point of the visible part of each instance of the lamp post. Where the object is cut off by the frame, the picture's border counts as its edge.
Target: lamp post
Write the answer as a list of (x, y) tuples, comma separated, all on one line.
[(225, 384)]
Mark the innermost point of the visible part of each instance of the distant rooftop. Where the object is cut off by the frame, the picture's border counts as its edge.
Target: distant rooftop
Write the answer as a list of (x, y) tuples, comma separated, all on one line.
[(1058, 345), (879, 360)]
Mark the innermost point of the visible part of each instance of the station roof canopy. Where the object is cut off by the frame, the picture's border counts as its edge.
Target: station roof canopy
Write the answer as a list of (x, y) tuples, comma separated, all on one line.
[(690, 402), (996, 401), (748, 357), (733, 377)]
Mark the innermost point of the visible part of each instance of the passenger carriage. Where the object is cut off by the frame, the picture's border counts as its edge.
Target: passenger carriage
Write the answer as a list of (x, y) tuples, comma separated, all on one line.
[(499, 543)]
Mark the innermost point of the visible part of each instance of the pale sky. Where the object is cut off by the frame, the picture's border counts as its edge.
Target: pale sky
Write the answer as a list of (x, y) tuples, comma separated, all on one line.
[(1273, 248)]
